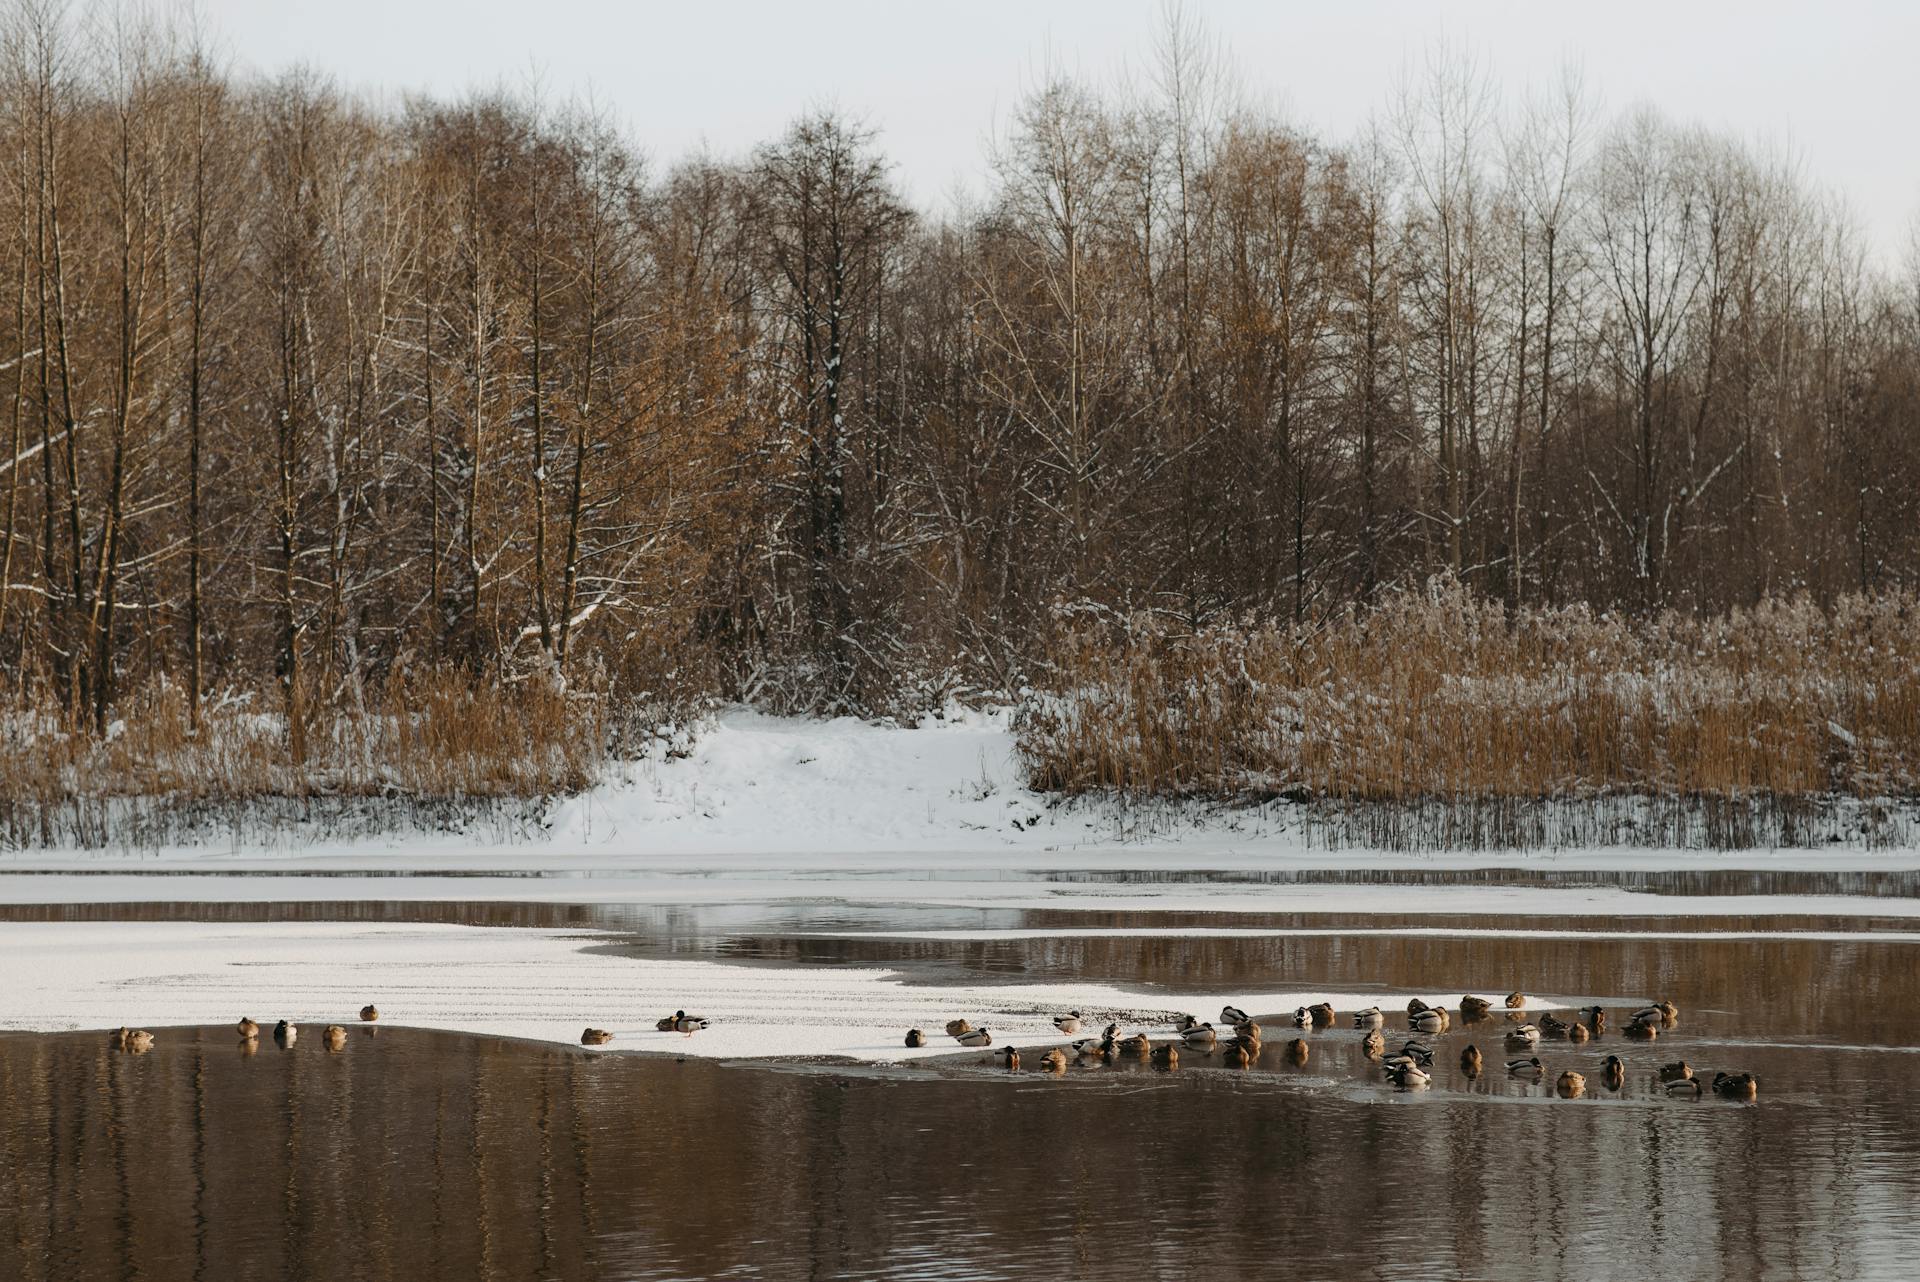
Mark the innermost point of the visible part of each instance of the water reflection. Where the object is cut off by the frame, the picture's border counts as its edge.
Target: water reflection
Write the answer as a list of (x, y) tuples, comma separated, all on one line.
[(413, 1155)]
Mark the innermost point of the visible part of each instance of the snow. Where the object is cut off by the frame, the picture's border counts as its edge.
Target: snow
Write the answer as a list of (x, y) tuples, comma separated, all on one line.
[(547, 985)]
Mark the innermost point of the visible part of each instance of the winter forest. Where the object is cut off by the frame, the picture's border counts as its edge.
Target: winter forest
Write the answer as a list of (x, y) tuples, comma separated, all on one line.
[(389, 434)]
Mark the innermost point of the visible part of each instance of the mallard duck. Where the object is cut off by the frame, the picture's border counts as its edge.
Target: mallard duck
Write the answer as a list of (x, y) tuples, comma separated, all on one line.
[(975, 1037), (1525, 1035), (1407, 1076), (1373, 1045), (249, 1045), (689, 1024), (1415, 1006), (1297, 1051), (1323, 1014), (1418, 1050), (1529, 1067), (916, 1038), (1643, 1030), (1472, 1007), (1054, 1061), (664, 1024), (336, 1038), (1200, 1038), (1577, 1032), (1663, 1013), (369, 1013), (247, 1028), (1570, 1085), (1684, 1087), (955, 1027), (1234, 1015), (139, 1042), (1613, 1072), (1185, 1022), (1596, 1018), (1551, 1027), (1427, 1021), (119, 1039), (1303, 1018), (595, 1037), (1677, 1071), (1236, 1055), (1516, 1001), (1736, 1085), (1011, 1056), (1068, 1023), (1095, 1048), (1247, 1032), (1167, 1056), (1371, 1017), (1138, 1044), (285, 1033), (1470, 1061)]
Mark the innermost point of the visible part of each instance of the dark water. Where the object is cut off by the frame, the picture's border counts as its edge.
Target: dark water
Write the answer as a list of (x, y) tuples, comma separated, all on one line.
[(416, 1156)]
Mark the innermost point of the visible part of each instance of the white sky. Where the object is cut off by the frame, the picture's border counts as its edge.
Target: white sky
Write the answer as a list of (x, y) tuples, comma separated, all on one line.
[(1837, 81)]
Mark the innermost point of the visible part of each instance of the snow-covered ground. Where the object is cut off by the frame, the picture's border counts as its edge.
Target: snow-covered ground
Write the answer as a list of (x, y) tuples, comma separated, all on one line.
[(807, 819)]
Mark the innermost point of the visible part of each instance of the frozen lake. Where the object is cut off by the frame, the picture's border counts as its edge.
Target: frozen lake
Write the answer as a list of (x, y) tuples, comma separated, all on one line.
[(481, 1153)]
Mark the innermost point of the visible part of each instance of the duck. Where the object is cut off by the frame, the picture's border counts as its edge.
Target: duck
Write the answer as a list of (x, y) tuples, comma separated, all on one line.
[(137, 1043), (1596, 1018), (336, 1038), (1095, 1048), (955, 1027), (1678, 1071), (1247, 1031), (1427, 1021), (1373, 1045), (1200, 1037), (249, 1045), (285, 1033), (1418, 1050), (1167, 1056), (1516, 1001), (689, 1024), (1407, 1076), (1684, 1087), (1577, 1032), (1551, 1027), (1665, 1013), (1524, 1067), (1415, 1006), (369, 1013), (1068, 1023), (1472, 1007), (1234, 1015), (1470, 1060), (1643, 1030), (1303, 1018), (1736, 1085), (975, 1037), (916, 1038), (247, 1028), (1525, 1035), (664, 1023), (1613, 1072), (1371, 1017), (1570, 1085), (595, 1037), (1297, 1051), (1054, 1061), (1323, 1014), (1236, 1055), (1011, 1056), (1138, 1044)]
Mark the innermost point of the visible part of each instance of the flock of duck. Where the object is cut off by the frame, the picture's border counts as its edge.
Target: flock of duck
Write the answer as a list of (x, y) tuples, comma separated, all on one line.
[(1408, 1067), (285, 1033)]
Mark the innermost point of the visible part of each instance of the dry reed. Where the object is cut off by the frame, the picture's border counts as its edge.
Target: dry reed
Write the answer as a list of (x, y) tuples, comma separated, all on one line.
[(1438, 719)]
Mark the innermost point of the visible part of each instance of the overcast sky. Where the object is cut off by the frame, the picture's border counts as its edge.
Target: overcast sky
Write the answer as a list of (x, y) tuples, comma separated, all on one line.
[(1835, 81)]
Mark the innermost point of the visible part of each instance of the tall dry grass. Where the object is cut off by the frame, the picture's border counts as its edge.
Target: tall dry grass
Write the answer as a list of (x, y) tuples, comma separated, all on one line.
[(1438, 719), (427, 750)]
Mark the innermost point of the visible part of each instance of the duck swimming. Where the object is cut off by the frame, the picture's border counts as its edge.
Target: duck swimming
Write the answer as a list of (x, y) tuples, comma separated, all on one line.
[(1736, 1085), (1613, 1072), (1551, 1027), (1470, 1061), (1684, 1087), (1679, 1071), (1525, 1035), (1577, 1032), (335, 1037), (1644, 1030), (1596, 1018), (1529, 1067)]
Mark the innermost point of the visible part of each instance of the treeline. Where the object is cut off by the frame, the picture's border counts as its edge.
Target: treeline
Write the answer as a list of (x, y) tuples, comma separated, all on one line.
[(306, 396)]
